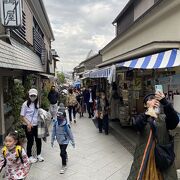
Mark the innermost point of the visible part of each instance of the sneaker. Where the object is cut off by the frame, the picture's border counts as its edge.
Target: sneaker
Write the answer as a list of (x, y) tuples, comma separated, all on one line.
[(63, 169), (40, 158), (32, 160)]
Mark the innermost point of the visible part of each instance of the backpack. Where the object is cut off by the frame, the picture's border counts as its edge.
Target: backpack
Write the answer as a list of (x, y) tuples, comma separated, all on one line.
[(72, 101), (18, 150)]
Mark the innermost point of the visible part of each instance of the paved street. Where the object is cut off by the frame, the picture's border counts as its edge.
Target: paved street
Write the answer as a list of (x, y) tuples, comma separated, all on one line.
[(96, 157)]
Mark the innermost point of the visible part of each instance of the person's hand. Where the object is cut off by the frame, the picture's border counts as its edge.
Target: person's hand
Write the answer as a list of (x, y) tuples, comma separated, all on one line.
[(151, 112), (159, 95), (29, 127), (52, 144)]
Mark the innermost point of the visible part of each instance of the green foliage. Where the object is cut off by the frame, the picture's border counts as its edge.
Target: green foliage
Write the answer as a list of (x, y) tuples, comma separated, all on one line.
[(15, 101), (44, 100), (61, 77), (28, 83)]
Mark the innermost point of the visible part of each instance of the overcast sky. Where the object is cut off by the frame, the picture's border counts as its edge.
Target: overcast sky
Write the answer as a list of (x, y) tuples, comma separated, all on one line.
[(80, 26)]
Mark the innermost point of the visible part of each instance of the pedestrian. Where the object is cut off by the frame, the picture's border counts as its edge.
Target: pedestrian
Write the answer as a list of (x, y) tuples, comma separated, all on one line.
[(14, 158), (63, 134), (90, 97), (85, 96), (80, 100), (102, 113), (53, 99), (153, 129), (71, 103), (29, 116)]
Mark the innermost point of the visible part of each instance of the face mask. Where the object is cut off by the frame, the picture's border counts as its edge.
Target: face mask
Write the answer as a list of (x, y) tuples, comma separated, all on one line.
[(157, 110), (32, 98)]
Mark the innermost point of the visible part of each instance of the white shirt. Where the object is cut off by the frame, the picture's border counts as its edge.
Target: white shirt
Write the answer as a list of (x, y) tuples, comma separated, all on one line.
[(90, 98), (30, 113)]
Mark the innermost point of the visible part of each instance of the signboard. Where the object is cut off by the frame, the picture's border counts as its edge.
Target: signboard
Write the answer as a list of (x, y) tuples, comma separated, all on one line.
[(11, 13)]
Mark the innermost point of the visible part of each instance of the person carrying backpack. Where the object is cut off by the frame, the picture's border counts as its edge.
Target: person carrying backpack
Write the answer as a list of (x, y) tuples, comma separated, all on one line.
[(14, 158), (71, 103), (62, 133)]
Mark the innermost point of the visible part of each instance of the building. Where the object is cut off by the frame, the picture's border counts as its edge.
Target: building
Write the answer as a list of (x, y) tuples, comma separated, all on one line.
[(145, 52), (142, 28), (25, 49)]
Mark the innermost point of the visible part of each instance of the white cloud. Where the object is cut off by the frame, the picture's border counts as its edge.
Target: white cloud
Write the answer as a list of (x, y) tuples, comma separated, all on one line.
[(80, 26)]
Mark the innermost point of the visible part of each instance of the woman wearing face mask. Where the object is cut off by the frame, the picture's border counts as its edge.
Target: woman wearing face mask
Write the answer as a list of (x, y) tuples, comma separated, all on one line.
[(102, 113), (29, 115)]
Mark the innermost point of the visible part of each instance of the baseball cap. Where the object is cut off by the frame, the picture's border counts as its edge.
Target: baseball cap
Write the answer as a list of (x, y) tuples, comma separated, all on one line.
[(33, 92)]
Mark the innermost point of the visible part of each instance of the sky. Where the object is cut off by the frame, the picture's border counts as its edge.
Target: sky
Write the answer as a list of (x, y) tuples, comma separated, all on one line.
[(81, 26)]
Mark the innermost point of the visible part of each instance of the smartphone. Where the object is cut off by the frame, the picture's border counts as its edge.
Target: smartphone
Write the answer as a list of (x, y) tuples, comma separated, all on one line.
[(159, 88)]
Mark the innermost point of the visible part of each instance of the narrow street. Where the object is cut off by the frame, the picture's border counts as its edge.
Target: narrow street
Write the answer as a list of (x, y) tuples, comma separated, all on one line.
[(95, 157)]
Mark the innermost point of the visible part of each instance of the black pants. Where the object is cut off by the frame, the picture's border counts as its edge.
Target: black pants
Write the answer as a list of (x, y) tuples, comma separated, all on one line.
[(90, 109), (104, 124), (63, 153), (30, 141), (71, 109)]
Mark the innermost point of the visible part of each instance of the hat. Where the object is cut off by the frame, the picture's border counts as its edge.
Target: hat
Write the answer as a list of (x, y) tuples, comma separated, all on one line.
[(148, 97), (33, 92)]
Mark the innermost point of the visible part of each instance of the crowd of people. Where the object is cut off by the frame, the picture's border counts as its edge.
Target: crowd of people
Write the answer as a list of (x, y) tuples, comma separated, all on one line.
[(152, 128), (77, 101)]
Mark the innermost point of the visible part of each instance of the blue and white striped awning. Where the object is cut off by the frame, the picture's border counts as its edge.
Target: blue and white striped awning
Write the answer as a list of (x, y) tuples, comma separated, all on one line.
[(86, 74), (165, 59), (100, 73)]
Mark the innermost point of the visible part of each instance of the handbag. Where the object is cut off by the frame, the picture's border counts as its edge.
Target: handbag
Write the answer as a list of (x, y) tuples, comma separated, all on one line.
[(164, 155)]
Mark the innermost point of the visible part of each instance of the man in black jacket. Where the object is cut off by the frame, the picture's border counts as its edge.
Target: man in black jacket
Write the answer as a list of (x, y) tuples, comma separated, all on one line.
[(53, 99)]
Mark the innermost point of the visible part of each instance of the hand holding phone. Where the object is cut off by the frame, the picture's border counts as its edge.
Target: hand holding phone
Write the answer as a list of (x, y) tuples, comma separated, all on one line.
[(158, 88), (159, 92)]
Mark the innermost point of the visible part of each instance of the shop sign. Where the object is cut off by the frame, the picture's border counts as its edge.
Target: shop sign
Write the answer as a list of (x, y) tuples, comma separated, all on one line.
[(11, 13)]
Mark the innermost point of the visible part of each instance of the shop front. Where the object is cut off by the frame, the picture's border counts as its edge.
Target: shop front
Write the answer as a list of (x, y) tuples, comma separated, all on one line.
[(138, 77)]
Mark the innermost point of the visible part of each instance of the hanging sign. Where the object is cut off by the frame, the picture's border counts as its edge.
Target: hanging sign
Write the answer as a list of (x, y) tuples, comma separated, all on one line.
[(11, 13)]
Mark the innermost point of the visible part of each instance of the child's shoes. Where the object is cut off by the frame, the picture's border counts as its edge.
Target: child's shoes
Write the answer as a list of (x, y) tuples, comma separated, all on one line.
[(63, 169)]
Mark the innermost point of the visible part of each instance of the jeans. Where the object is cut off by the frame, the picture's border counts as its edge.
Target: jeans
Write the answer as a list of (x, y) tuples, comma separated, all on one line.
[(30, 140), (71, 109), (63, 153)]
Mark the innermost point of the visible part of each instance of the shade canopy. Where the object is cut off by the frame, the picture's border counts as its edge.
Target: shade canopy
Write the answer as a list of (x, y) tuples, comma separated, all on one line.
[(166, 59)]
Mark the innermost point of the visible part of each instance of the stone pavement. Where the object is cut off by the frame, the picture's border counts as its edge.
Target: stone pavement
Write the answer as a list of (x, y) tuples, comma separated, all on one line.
[(95, 157)]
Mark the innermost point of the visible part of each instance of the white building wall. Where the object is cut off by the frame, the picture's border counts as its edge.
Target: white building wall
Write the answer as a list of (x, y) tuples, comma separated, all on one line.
[(162, 24), (141, 7)]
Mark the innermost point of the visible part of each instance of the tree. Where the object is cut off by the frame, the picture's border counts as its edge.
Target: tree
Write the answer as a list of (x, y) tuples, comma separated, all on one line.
[(60, 77)]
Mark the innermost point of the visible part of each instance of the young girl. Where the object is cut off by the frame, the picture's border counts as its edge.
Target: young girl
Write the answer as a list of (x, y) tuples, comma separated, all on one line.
[(63, 134), (14, 158)]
